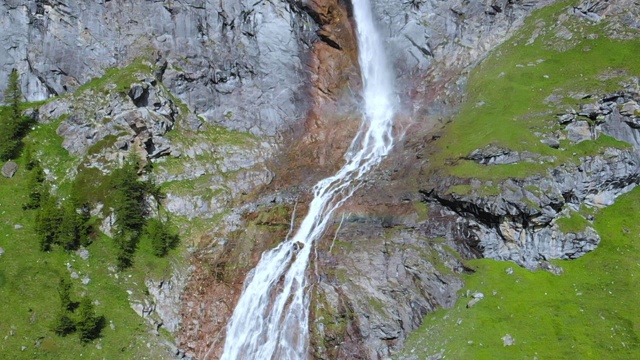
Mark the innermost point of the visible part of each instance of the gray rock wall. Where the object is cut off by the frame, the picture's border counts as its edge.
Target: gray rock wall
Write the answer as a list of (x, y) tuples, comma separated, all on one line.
[(239, 63), (376, 286), (431, 42)]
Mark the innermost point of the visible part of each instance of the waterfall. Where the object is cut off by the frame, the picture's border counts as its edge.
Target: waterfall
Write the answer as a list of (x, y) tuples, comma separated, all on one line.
[(271, 319)]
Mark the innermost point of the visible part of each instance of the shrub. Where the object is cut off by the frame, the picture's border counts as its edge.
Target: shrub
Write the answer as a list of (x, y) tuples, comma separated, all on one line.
[(161, 236)]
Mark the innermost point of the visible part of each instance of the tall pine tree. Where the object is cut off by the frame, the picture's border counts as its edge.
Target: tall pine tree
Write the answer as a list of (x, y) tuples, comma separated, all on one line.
[(48, 219), (11, 119), (72, 231), (129, 194), (36, 187)]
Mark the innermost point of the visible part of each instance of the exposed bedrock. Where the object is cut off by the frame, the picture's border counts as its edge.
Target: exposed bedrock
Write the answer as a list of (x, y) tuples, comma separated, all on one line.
[(237, 63), (521, 220)]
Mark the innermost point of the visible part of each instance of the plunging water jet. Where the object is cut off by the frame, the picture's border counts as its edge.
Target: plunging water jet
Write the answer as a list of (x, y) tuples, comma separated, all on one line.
[(271, 319)]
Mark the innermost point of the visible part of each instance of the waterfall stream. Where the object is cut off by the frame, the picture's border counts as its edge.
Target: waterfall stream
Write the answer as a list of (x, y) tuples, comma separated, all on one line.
[(271, 319)]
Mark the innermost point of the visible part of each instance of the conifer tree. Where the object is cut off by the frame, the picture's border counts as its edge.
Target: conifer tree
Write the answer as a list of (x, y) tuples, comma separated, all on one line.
[(13, 94), (126, 243), (64, 292), (10, 121), (89, 323), (47, 224), (161, 236), (71, 231), (36, 186), (62, 323), (129, 197)]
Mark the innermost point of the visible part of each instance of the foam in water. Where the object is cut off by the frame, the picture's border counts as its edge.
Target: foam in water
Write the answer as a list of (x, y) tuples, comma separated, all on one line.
[(271, 319)]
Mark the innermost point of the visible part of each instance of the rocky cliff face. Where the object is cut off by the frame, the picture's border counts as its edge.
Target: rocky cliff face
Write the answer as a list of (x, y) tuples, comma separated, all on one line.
[(241, 105), (240, 63)]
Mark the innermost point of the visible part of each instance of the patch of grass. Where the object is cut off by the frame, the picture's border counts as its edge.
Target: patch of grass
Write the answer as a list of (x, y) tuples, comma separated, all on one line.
[(376, 305), (590, 147), (46, 146), (513, 83), (422, 209), (574, 223), (520, 170), (205, 185), (465, 189), (120, 78), (92, 186), (460, 189), (589, 312), (489, 190), (435, 258), (214, 135), (28, 288), (533, 189), (531, 203), (106, 142), (588, 211)]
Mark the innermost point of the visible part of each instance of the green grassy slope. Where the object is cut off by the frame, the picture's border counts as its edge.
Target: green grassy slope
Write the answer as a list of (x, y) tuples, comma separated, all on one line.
[(28, 289), (508, 94), (29, 277), (589, 311)]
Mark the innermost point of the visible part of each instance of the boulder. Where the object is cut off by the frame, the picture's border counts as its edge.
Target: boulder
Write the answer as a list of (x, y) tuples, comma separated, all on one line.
[(472, 302), (630, 108), (579, 131), (508, 340), (9, 169), (494, 155)]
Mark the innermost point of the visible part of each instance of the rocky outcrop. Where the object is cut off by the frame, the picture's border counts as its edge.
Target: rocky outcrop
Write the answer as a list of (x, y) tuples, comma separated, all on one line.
[(94, 124), (357, 315), (521, 220), (167, 295)]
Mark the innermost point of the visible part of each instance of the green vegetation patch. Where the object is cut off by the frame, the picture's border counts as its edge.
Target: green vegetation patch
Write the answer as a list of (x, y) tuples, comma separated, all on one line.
[(588, 312), (118, 79), (422, 209), (507, 96), (212, 134), (29, 289), (574, 223), (44, 144)]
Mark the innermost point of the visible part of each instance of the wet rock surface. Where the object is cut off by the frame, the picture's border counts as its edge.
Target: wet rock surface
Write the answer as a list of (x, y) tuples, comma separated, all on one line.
[(357, 315)]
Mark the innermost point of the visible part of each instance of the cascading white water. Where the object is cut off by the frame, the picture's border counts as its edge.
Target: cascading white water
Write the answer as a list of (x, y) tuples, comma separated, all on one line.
[(271, 319)]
